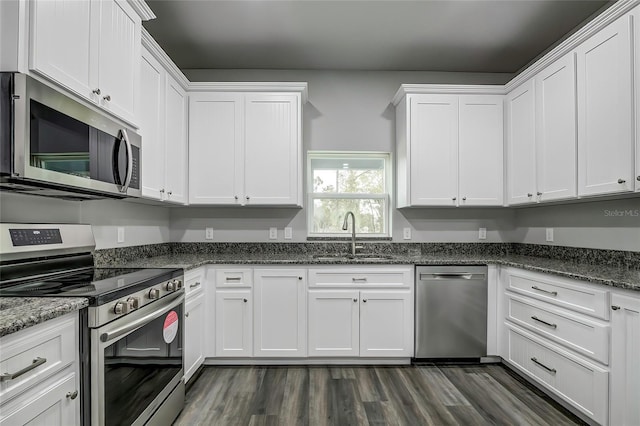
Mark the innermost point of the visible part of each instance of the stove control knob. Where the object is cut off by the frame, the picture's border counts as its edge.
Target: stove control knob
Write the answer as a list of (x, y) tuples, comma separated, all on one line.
[(154, 293), (170, 286), (133, 302), (120, 308), (178, 284)]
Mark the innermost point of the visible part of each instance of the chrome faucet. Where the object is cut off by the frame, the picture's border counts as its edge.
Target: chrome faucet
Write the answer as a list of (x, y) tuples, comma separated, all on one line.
[(345, 226)]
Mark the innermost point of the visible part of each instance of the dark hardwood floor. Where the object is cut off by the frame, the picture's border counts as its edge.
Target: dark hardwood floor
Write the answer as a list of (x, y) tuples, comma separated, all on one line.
[(411, 395)]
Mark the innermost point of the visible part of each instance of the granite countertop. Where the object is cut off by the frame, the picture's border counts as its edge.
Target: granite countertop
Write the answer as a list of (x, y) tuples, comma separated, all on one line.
[(599, 274), (17, 313)]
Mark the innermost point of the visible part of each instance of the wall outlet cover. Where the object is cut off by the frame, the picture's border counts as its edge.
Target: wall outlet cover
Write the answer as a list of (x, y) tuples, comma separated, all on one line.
[(273, 233), (120, 234), (208, 233), (549, 235), (482, 233), (406, 233), (288, 233)]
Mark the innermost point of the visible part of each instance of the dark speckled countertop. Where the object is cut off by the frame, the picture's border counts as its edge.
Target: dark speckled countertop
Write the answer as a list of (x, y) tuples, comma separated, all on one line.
[(613, 276), (17, 313)]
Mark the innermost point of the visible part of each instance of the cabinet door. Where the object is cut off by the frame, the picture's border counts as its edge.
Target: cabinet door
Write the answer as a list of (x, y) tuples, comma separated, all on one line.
[(119, 58), (64, 41), (280, 316), (433, 134), (215, 148), (386, 324), (175, 142), (556, 130), (521, 149), (234, 325), (625, 369), (480, 150), (194, 323), (334, 323), (605, 111), (152, 85), (46, 404), (272, 149)]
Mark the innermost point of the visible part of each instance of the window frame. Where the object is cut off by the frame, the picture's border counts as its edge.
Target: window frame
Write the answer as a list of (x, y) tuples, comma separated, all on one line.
[(387, 195)]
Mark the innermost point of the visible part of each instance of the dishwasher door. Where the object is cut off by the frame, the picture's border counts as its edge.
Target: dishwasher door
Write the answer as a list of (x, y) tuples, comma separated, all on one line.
[(451, 312)]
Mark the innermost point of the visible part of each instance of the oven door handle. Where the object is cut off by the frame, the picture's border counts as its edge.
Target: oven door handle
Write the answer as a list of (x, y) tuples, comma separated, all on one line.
[(162, 305)]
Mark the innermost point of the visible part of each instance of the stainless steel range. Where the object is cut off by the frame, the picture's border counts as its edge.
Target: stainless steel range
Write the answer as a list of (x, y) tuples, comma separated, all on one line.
[(131, 335)]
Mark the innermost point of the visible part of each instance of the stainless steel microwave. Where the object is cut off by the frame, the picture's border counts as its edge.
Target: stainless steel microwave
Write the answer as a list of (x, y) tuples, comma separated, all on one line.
[(54, 146)]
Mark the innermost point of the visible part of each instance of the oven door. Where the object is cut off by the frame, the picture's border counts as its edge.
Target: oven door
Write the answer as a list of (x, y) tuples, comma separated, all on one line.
[(136, 362)]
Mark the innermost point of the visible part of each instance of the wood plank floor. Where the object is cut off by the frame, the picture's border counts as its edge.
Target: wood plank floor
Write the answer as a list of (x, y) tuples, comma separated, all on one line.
[(409, 395)]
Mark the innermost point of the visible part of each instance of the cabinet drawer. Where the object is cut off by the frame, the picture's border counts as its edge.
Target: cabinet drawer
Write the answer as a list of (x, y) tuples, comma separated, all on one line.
[(567, 293), (577, 381), (234, 278), (51, 345), (572, 330), (359, 277), (194, 281)]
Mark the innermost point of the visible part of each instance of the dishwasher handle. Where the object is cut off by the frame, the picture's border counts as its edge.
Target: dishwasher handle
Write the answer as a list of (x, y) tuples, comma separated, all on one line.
[(451, 276)]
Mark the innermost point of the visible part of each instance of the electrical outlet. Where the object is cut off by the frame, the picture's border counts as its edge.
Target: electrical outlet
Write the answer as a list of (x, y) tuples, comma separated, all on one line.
[(208, 233), (120, 234), (406, 233), (550, 235), (482, 233), (273, 233), (288, 233)]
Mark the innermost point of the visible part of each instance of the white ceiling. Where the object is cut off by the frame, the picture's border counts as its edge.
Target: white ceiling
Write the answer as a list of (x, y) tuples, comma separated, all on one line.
[(427, 35)]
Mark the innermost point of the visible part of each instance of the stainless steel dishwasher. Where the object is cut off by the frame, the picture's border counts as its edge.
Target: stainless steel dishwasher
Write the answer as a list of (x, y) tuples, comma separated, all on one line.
[(451, 312)]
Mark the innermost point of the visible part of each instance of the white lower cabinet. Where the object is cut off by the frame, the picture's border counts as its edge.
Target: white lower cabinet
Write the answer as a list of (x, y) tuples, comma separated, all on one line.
[(234, 323), (582, 384), (280, 313), (625, 353), (385, 324), (194, 325), (48, 392), (334, 323)]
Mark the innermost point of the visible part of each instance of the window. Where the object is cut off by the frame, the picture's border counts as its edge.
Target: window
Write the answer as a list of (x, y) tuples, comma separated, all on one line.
[(339, 182)]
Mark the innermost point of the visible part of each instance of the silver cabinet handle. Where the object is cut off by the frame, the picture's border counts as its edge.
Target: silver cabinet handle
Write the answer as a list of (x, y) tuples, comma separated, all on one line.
[(354, 279), (186, 315), (535, 318), (464, 198), (454, 198), (550, 370), (247, 197), (97, 91), (235, 197), (614, 307), (169, 193), (245, 300), (72, 395), (107, 98), (539, 193), (638, 178), (35, 364), (300, 278), (233, 278), (553, 293), (529, 195), (364, 300), (355, 300), (162, 191), (621, 181), (195, 285)]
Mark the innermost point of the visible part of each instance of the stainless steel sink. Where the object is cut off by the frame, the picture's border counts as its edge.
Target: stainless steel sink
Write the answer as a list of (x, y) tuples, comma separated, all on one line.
[(357, 257)]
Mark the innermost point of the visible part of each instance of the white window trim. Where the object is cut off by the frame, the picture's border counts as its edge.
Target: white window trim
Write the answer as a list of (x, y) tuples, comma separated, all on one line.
[(386, 156)]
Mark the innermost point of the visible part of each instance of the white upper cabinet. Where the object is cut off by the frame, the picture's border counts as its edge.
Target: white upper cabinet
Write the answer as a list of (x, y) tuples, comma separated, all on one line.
[(163, 125), (636, 43), (152, 88), (272, 145), (605, 111), (433, 150), (245, 148), (91, 48), (480, 150), (521, 148), (449, 149), (556, 139)]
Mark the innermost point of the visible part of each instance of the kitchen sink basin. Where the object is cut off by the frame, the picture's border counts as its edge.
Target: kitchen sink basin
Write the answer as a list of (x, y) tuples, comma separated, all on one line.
[(343, 257)]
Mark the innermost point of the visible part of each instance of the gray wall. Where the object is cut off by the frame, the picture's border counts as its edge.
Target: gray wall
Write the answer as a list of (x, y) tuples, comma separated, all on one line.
[(144, 224), (347, 111)]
